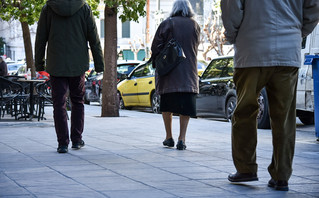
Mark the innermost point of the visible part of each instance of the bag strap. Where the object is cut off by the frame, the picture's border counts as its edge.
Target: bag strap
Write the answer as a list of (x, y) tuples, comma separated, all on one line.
[(172, 25)]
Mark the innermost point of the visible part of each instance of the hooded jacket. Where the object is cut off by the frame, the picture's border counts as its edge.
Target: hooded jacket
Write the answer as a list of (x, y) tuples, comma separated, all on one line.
[(66, 28), (268, 32)]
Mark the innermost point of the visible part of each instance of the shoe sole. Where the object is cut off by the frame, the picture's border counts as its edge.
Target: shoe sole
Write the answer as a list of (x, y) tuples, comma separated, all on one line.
[(62, 151), (76, 147), (181, 148), (243, 180), (285, 188), (282, 188)]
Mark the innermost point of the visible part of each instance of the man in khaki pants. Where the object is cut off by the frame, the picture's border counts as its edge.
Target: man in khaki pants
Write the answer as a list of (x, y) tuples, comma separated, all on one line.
[(267, 39)]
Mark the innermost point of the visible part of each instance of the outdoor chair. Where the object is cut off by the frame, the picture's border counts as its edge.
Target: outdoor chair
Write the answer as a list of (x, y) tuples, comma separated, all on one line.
[(44, 97), (12, 98)]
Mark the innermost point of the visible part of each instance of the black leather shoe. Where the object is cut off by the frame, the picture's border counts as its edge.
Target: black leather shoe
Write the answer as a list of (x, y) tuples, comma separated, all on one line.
[(62, 149), (278, 185), (242, 177), (181, 145), (169, 142), (272, 183), (78, 145)]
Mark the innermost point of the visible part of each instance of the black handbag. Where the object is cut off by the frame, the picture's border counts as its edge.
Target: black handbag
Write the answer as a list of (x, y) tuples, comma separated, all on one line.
[(170, 56)]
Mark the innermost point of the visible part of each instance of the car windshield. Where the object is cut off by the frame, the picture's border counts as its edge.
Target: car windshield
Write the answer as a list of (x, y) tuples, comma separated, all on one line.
[(143, 70), (219, 68), (125, 69)]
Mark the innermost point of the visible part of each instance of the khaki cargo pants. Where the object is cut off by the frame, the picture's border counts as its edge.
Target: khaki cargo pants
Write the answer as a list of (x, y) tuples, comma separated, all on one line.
[(280, 83)]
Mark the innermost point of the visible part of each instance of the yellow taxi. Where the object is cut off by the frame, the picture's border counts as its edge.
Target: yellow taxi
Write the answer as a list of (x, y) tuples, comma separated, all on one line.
[(138, 89)]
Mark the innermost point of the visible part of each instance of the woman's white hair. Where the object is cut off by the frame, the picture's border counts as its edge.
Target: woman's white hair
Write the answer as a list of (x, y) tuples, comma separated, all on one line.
[(182, 8)]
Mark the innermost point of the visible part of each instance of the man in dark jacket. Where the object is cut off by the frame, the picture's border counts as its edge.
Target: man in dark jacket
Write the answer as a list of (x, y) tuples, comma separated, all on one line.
[(66, 27), (3, 67)]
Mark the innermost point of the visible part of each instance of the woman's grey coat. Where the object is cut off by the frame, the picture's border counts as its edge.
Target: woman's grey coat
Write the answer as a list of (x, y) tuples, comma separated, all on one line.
[(184, 77), (268, 34)]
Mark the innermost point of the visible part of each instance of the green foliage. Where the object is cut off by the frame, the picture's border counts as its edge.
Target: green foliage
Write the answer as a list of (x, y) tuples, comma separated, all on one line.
[(23, 10), (216, 7), (29, 10), (132, 9), (94, 6)]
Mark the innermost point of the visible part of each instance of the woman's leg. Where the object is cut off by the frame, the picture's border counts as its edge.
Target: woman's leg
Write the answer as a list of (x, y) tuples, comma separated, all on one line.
[(183, 120), (167, 118)]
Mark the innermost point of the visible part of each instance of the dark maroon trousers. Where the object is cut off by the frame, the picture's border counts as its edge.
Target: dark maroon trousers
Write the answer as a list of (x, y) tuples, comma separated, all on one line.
[(60, 87)]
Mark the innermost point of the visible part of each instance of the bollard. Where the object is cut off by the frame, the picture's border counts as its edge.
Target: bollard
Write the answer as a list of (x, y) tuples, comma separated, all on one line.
[(314, 61)]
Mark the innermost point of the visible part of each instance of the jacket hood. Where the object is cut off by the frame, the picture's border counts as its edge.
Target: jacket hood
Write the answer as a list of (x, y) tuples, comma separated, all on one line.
[(65, 7)]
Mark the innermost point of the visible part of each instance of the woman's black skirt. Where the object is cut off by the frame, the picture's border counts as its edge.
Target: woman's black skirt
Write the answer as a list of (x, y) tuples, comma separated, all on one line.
[(179, 103)]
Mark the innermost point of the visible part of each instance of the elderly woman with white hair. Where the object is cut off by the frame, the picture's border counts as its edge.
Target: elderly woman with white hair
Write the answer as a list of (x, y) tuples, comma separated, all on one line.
[(178, 88)]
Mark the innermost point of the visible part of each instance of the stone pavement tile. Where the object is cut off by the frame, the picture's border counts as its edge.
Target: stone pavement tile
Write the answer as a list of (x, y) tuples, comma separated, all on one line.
[(257, 189), (314, 178), (190, 188), (304, 188), (303, 180), (155, 175), (171, 184), (61, 188), (167, 164), (279, 194), (149, 193), (216, 163), (196, 192), (300, 170), (114, 183), (68, 191), (85, 172), (310, 165), (8, 188)]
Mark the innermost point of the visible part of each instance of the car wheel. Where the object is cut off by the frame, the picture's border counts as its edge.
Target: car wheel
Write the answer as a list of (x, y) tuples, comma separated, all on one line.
[(121, 103), (230, 107), (156, 103), (307, 118), (263, 114)]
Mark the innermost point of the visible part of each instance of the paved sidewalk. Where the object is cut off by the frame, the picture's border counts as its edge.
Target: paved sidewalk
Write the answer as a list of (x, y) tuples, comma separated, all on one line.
[(124, 157)]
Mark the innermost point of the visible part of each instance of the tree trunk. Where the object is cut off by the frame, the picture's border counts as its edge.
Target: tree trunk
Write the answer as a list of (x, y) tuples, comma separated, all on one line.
[(28, 47), (110, 102)]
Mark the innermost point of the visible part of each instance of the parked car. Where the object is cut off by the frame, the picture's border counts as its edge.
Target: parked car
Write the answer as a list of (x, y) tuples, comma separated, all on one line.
[(93, 83), (138, 89), (13, 67), (217, 92)]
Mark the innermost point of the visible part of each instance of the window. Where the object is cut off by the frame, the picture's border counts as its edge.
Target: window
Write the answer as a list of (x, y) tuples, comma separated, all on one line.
[(228, 70), (125, 68), (126, 28), (143, 71), (102, 28), (215, 68)]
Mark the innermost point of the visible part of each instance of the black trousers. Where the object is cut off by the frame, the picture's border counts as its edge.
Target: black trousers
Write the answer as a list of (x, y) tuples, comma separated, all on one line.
[(60, 87)]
